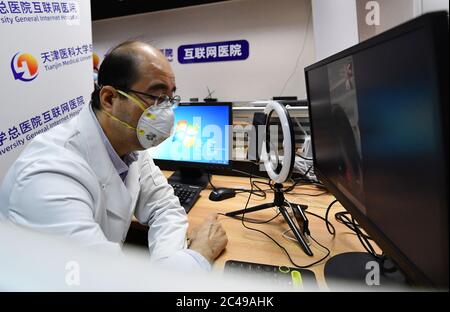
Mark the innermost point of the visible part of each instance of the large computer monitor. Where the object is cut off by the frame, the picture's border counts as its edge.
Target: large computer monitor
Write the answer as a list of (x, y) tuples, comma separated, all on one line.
[(200, 142), (379, 126)]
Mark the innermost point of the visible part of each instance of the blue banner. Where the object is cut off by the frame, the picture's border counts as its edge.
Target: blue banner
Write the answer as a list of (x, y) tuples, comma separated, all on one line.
[(237, 50)]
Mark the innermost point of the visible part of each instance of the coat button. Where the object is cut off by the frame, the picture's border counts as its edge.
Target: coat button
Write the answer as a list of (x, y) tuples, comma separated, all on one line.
[(104, 186)]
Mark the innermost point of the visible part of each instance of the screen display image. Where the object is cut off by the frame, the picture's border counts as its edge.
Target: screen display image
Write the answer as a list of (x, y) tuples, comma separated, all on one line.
[(344, 113), (200, 134)]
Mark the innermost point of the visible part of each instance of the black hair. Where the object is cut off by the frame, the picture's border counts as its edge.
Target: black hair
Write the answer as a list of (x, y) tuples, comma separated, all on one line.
[(120, 69)]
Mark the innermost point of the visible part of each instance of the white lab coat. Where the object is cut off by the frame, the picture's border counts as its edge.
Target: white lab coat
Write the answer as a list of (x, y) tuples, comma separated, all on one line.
[(65, 183)]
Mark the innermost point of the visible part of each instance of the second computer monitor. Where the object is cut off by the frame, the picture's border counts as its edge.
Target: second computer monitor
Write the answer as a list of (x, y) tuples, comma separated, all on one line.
[(379, 124), (200, 139)]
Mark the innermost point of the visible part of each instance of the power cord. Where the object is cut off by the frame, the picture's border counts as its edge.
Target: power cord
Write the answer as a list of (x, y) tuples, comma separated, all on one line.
[(304, 179), (301, 51), (349, 221), (303, 157), (328, 223), (326, 218)]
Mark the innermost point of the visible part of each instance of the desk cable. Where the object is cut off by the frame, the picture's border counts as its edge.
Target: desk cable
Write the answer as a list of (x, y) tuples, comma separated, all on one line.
[(346, 219), (349, 221)]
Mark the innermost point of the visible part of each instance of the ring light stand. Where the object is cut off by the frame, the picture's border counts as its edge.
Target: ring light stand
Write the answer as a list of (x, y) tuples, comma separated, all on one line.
[(279, 173)]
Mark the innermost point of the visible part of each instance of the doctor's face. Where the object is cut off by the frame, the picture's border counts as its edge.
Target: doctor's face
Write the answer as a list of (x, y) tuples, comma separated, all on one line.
[(156, 79)]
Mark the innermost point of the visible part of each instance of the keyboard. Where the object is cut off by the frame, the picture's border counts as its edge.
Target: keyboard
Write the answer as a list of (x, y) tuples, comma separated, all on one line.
[(282, 276), (187, 194)]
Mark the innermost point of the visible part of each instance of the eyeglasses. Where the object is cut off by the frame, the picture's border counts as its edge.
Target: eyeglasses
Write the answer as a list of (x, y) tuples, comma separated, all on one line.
[(161, 101)]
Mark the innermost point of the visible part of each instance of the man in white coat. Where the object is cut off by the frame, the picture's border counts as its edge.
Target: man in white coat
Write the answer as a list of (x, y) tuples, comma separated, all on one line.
[(86, 179)]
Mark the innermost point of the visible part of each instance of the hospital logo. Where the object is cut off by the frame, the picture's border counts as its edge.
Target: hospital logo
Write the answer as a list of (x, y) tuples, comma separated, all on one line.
[(24, 67)]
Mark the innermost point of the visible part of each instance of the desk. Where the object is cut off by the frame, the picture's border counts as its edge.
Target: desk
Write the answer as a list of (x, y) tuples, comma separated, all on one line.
[(250, 246), (247, 245)]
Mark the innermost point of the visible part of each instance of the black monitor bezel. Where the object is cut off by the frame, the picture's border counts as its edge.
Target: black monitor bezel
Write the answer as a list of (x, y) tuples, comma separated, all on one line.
[(432, 23), (175, 164)]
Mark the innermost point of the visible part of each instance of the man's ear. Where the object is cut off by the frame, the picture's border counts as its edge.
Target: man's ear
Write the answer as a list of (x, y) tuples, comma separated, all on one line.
[(107, 96)]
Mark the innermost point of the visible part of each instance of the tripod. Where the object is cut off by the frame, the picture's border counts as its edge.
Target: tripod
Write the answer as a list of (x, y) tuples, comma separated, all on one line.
[(280, 203)]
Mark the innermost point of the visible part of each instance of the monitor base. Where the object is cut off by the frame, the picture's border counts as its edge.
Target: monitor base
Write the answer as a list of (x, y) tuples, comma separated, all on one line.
[(357, 270), (190, 176)]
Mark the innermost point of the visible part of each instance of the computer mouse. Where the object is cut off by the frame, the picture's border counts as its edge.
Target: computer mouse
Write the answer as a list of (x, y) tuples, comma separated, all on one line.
[(221, 194)]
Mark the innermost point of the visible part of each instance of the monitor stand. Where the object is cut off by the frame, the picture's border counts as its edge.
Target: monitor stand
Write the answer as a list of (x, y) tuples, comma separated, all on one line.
[(354, 270), (190, 176)]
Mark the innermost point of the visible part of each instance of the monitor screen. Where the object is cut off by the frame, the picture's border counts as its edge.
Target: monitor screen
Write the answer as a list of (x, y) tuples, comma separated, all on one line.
[(380, 141), (200, 135)]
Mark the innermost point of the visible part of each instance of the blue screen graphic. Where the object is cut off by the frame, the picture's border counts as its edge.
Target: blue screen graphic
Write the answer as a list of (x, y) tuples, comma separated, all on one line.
[(201, 134)]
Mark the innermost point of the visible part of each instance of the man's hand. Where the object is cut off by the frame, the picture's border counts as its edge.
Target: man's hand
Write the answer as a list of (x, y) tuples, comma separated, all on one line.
[(209, 239)]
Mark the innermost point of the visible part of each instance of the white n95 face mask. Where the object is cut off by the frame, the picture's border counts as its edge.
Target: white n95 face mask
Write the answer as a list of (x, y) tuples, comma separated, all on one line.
[(155, 124)]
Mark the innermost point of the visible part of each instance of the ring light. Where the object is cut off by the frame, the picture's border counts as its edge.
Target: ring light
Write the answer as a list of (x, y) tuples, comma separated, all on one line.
[(281, 170)]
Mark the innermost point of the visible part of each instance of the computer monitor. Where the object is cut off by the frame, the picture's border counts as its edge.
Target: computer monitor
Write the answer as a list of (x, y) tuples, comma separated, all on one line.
[(200, 142), (379, 126)]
